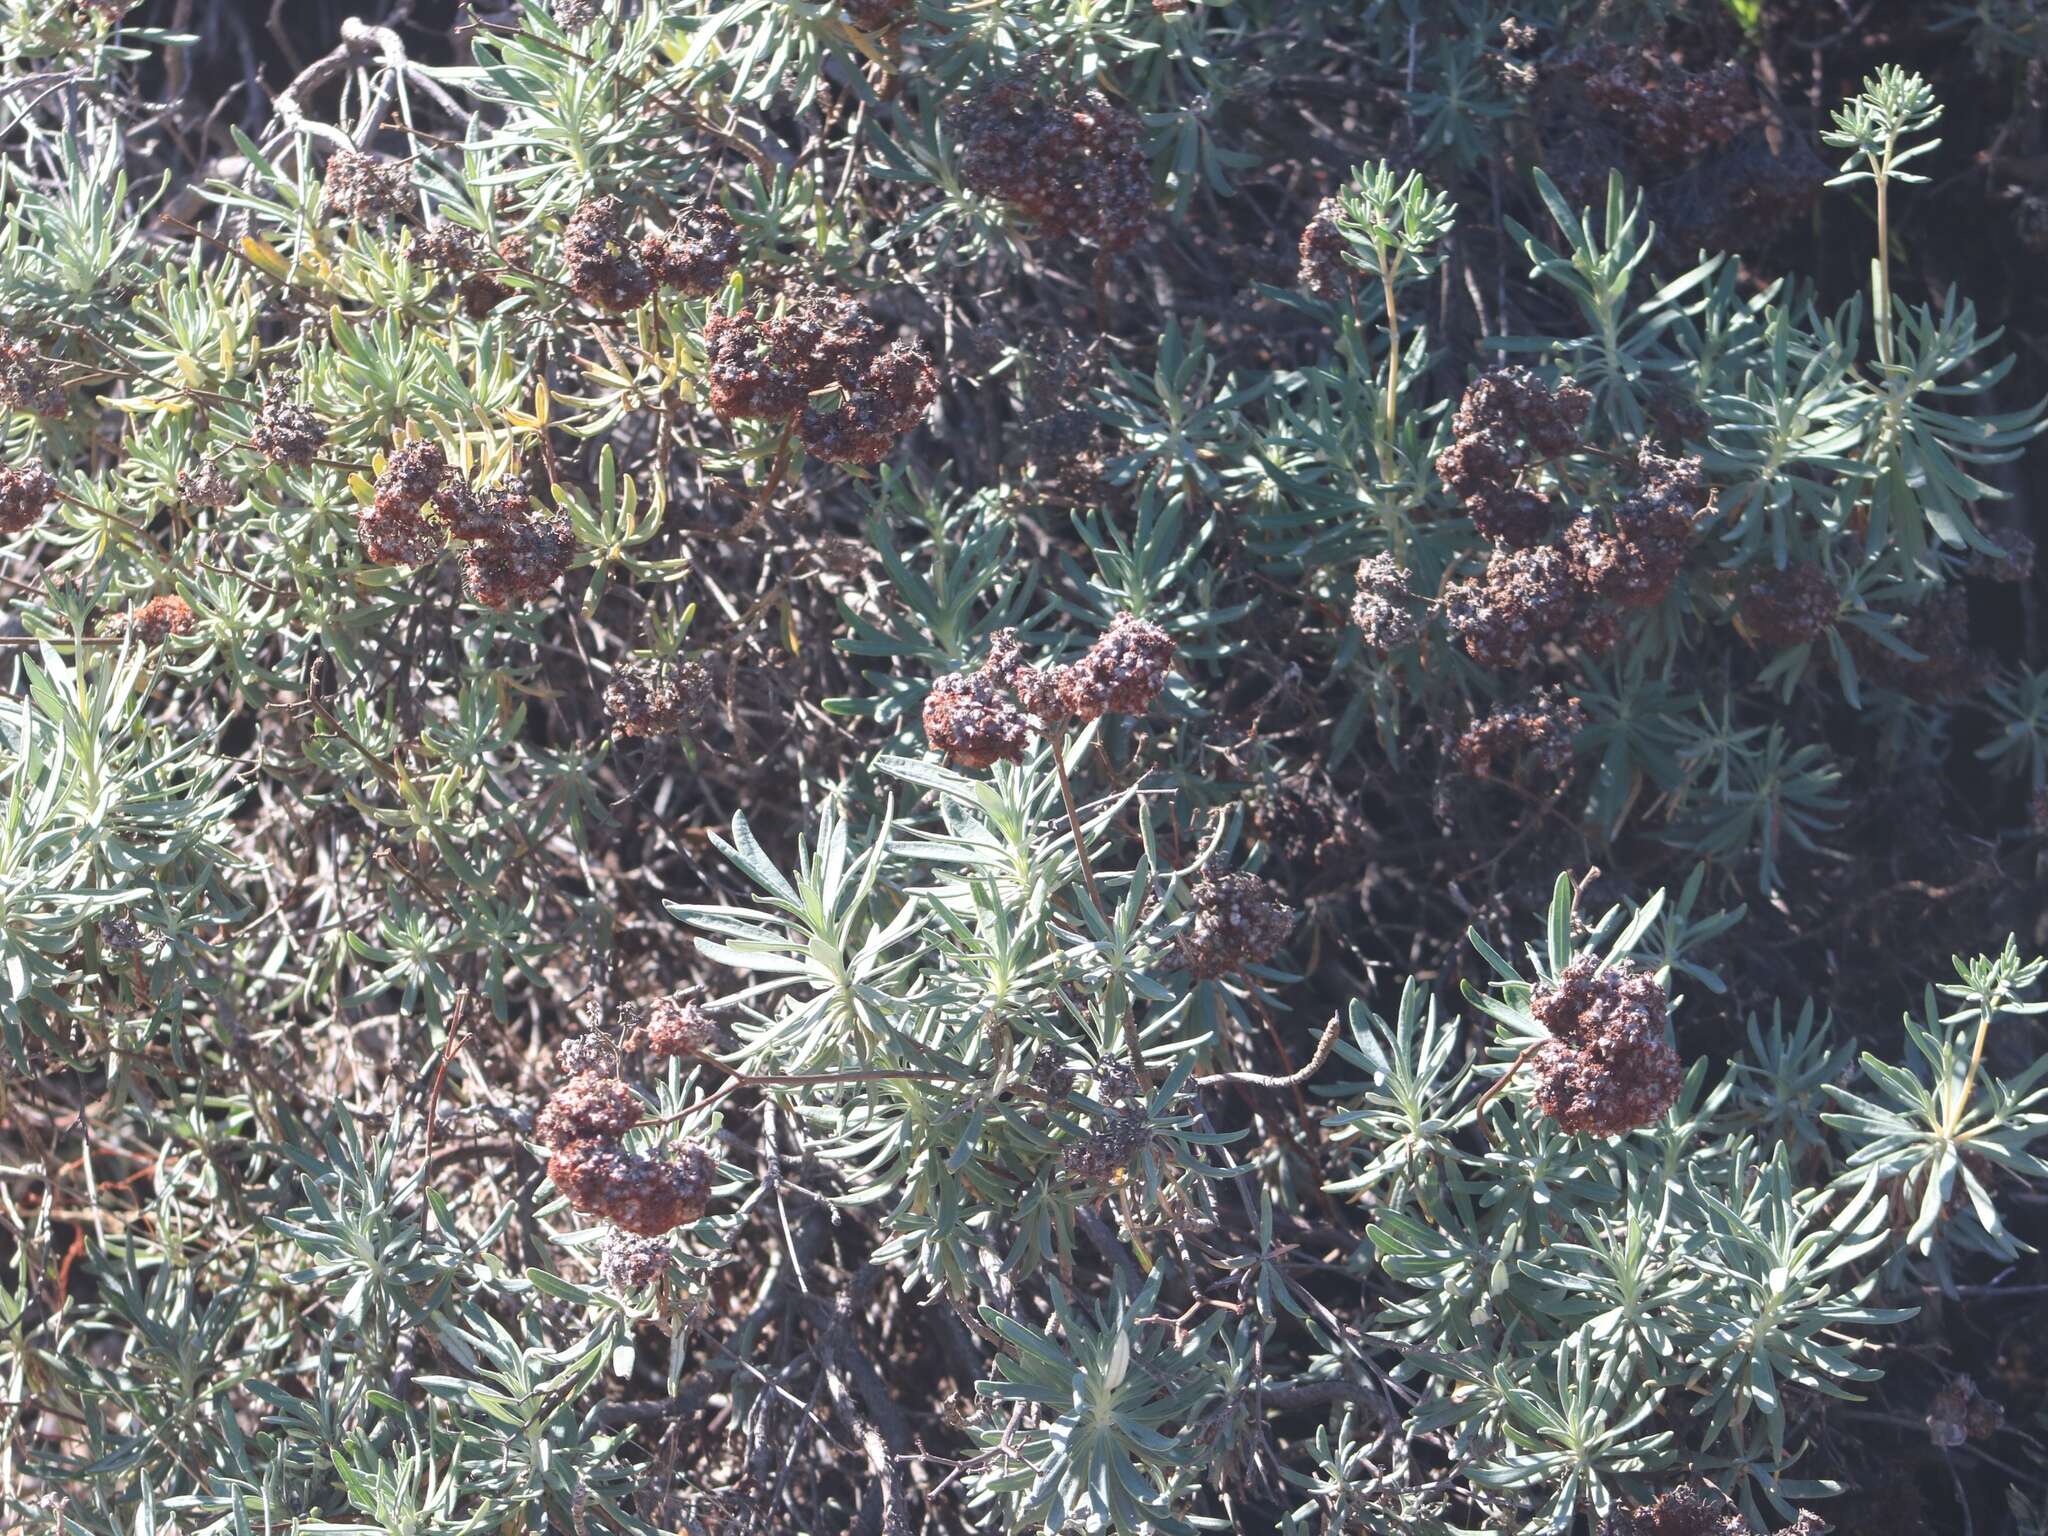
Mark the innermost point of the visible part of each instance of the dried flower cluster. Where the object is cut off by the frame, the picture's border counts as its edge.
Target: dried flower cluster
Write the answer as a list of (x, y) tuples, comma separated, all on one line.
[(161, 617), (1100, 1154), (286, 431), (607, 271), (1792, 606), (674, 1026), (364, 186), (1536, 734), (628, 1262), (1944, 665), (26, 494), (208, 485), (1606, 1067), (649, 697), (582, 1126), (514, 551), (1527, 596), (1074, 164), (26, 381), (1508, 423), (1631, 559), (1324, 271), (697, 254), (769, 367), (1668, 112), (968, 717), (1960, 1413), (1237, 920), (1382, 608)]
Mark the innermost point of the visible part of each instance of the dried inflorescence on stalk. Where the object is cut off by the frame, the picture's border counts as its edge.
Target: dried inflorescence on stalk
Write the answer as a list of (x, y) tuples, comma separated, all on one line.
[(161, 617), (207, 485), (575, 13), (364, 186), (1632, 561), (1948, 666), (627, 1262), (1687, 1511), (26, 493), (287, 432), (1116, 1146), (1527, 596), (1537, 735), (642, 1194), (1669, 113), (651, 697), (878, 15), (674, 1026), (448, 248), (1509, 422), (1960, 1413), (604, 272), (26, 381), (590, 1106), (1324, 272), (968, 717), (1073, 164), (1382, 608), (516, 552), (392, 528), (768, 366), (1606, 1067), (697, 255), (1122, 672), (1238, 921), (648, 1195), (1794, 606)]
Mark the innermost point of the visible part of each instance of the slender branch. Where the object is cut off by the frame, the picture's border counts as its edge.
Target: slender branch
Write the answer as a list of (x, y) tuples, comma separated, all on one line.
[(1293, 1079)]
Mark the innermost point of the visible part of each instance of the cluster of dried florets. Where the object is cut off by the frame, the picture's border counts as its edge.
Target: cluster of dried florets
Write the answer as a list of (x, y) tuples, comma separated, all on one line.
[(697, 254), (627, 1262), (286, 432), (1628, 559), (769, 366), (582, 1126), (1669, 113), (672, 1026), (1509, 422), (1793, 606), (1527, 596), (157, 620), (364, 186), (1961, 1412), (514, 551), (1382, 608), (1948, 666), (1324, 271), (1537, 735), (25, 495), (1308, 826), (1632, 561), (970, 717), (26, 383), (1074, 164), (608, 271), (1696, 1511), (1110, 1150), (574, 13), (1238, 921), (1606, 1067), (207, 485), (651, 697)]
